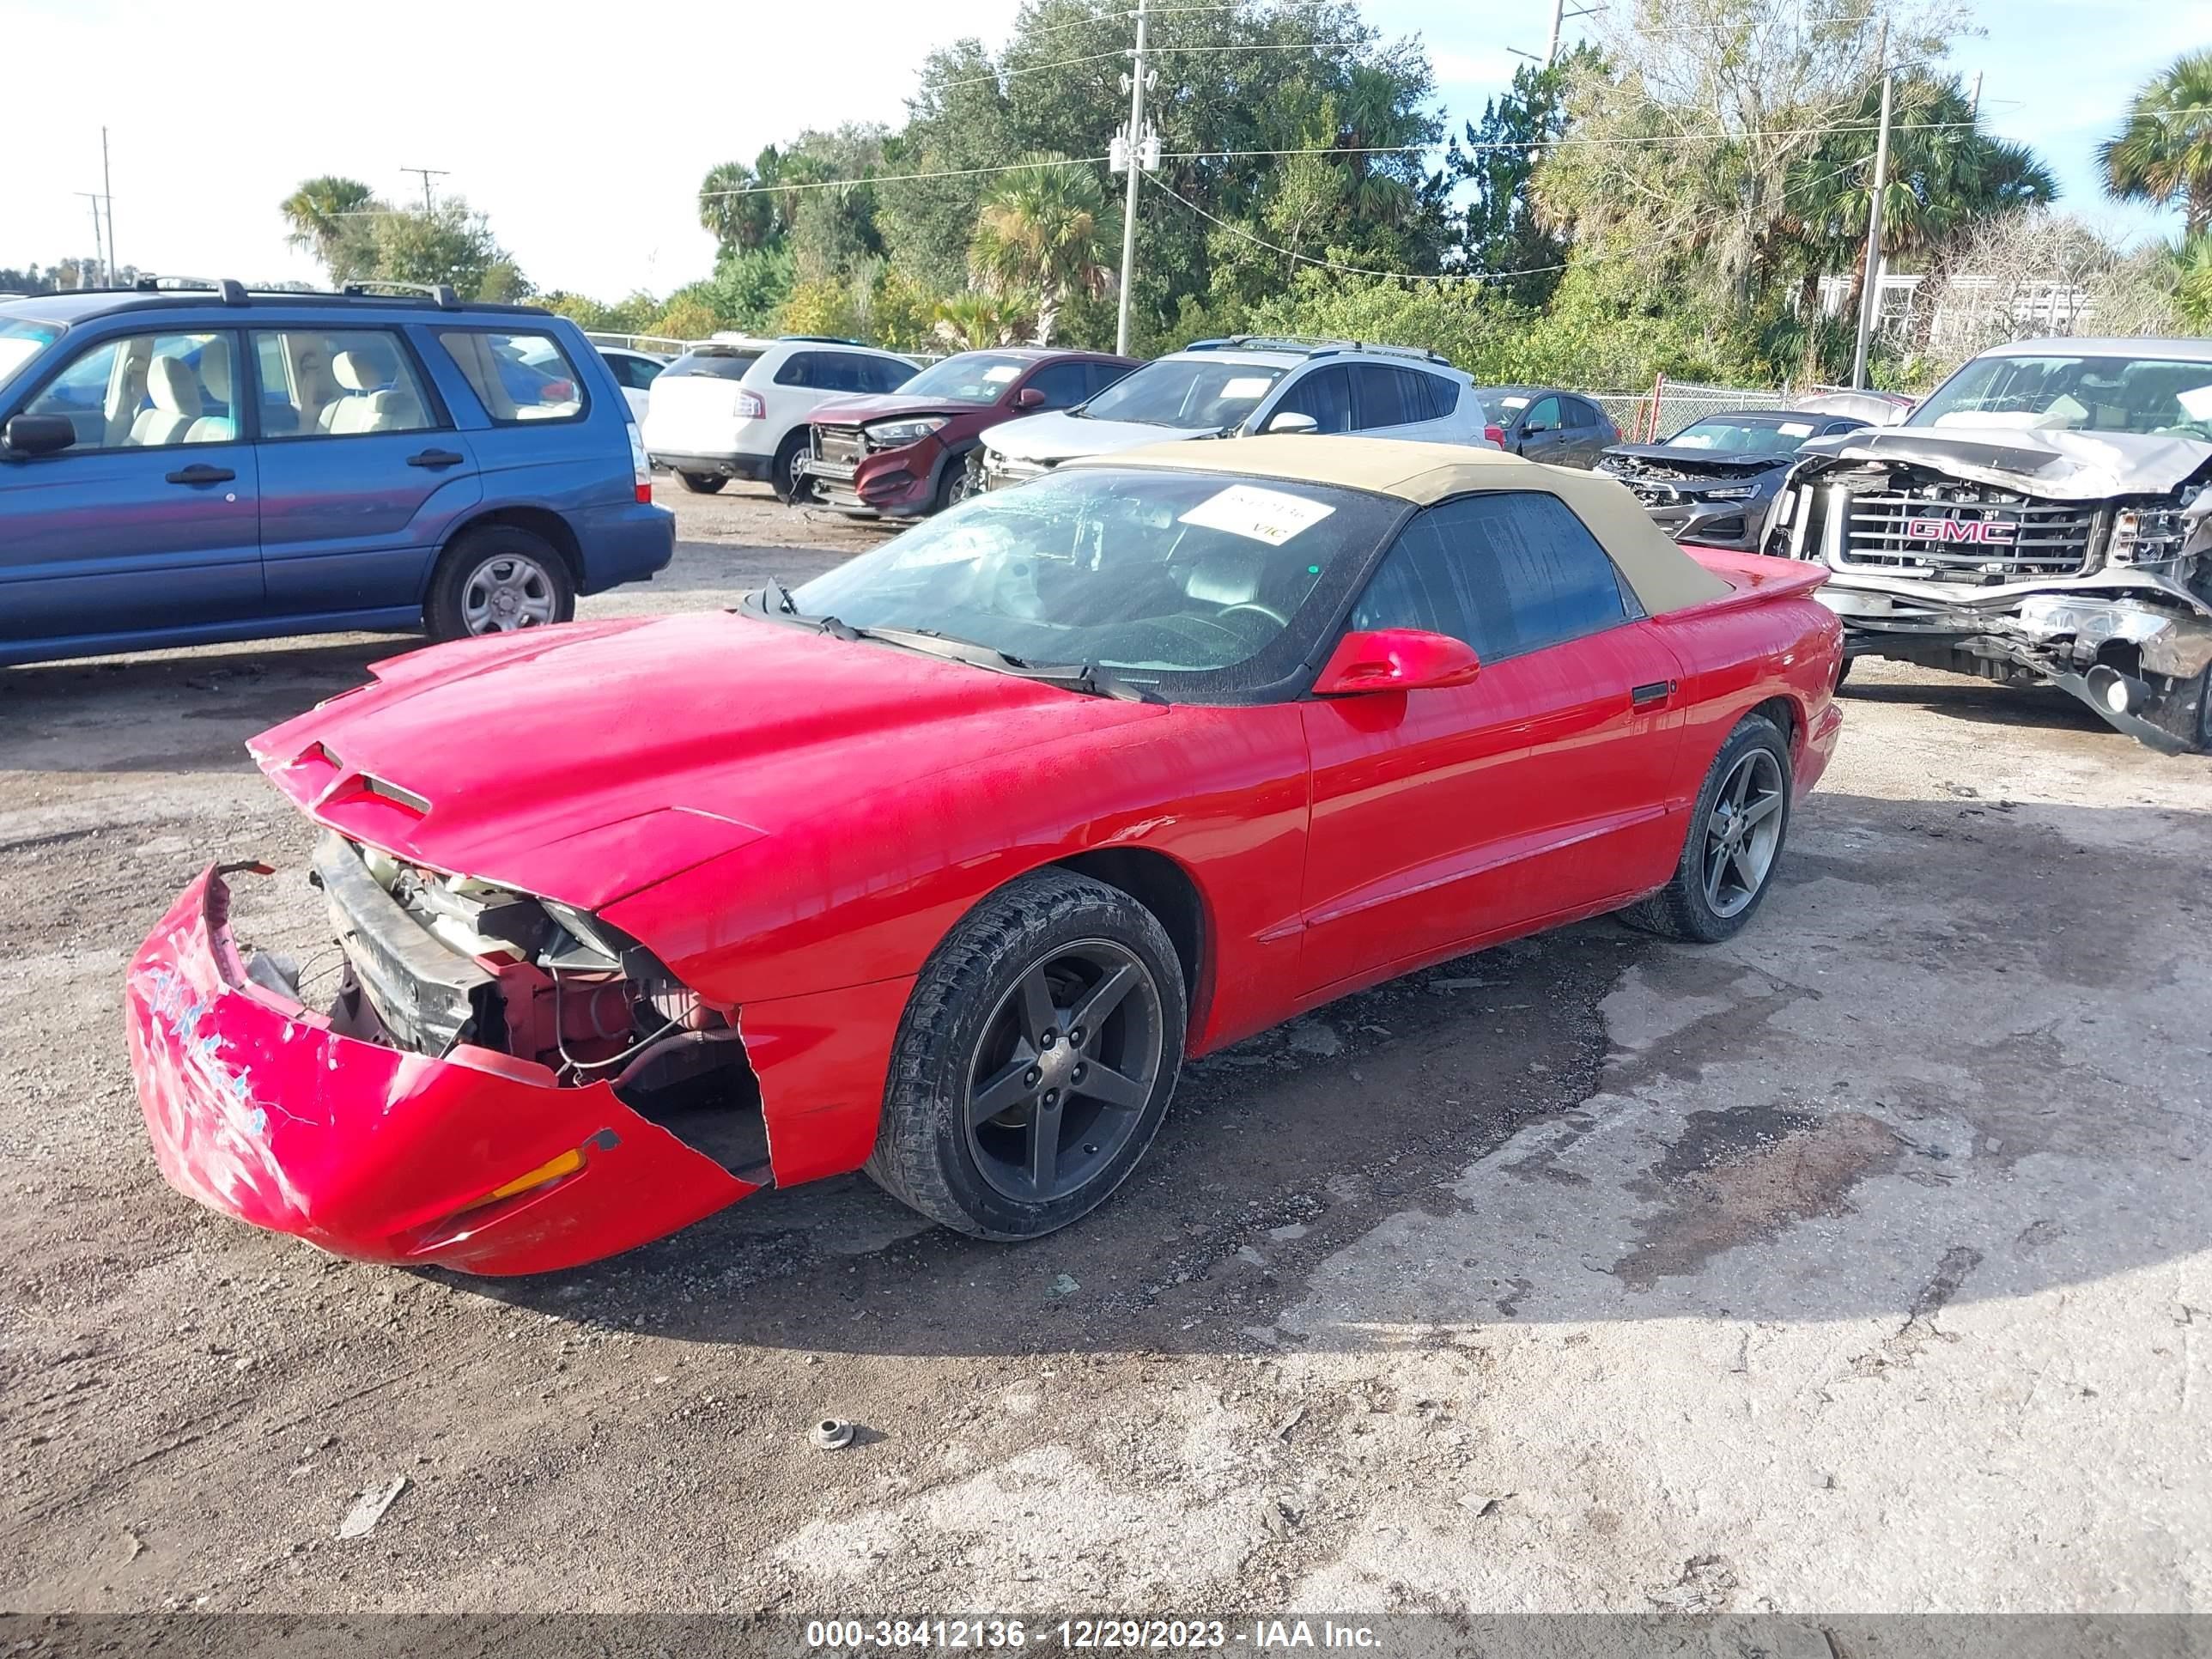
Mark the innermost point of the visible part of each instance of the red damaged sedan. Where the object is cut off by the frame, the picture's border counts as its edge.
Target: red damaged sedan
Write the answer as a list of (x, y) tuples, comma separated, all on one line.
[(941, 865), (914, 451)]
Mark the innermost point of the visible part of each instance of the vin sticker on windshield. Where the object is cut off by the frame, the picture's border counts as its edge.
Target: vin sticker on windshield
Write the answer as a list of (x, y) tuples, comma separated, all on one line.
[(1266, 515), (1796, 429)]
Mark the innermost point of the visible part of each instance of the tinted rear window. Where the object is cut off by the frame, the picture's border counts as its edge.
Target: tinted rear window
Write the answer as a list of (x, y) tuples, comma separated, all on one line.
[(714, 365)]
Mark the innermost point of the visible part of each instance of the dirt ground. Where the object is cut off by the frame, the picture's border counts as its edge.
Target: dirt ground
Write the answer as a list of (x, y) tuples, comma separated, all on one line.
[(1863, 1262)]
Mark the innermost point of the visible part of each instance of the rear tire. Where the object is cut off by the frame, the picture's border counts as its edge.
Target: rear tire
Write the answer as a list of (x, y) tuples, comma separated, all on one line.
[(792, 486), (496, 579), (1733, 844), (702, 484), (1059, 1001)]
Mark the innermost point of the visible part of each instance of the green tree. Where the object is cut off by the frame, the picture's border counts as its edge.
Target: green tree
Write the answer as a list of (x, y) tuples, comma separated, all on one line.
[(971, 322), (736, 208), (328, 218), (449, 244), (1499, 228), (2162, 154), (1045, 228)]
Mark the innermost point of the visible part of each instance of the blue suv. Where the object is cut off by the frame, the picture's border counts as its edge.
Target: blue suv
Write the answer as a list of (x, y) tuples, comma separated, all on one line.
[(179, 466)]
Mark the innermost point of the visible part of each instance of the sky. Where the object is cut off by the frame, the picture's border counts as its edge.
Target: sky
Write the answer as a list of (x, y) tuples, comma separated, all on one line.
[(584, 132)]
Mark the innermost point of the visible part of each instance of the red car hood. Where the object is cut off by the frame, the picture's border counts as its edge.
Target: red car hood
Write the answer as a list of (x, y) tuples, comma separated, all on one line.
[(585, 763), (859, 411)]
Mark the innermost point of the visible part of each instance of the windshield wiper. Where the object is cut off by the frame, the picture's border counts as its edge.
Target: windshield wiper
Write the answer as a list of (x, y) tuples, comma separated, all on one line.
[(1086, 677), (777, 598)]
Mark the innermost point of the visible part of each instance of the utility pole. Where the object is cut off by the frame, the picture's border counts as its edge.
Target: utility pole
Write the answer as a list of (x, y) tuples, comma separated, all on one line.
[(107, 193), (1974, 109), (1136, 169), (1870, 289), (98, 258), (427, 173), (1552, 46)]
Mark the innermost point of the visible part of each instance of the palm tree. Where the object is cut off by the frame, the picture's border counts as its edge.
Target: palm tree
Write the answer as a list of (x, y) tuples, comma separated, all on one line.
[(324, 215), (1946, 175), (972, 322), (1045, 228), (734, 208), (2163, 153)]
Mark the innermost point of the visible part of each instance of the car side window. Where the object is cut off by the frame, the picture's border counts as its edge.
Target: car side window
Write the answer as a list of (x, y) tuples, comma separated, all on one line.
[(1325, 394), (635, 373), (1508, 573), (345, 382), (1063, 385), (147, 392), (1578, 415), (1543, 415), (884, 373), (1380, 395), (1444, 395), (517, 377), (1103, 375), (798, 370)]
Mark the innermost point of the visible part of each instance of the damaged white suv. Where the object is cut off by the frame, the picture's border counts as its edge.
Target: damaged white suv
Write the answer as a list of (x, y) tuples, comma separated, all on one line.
[(2042, 519)]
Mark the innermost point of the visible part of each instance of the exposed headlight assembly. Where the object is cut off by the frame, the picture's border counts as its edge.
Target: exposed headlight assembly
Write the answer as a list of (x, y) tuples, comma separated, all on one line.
[(2148, 535), (897, 435), (1731, 493)]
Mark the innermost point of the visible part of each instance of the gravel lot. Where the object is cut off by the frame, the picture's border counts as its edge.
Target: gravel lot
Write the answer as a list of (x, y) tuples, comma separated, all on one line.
[(1864, 1262)]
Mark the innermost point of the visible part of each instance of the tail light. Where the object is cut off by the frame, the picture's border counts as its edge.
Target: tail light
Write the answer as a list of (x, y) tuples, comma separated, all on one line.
[(748, 406), (1496, 435), (641, 468), (557, 392)]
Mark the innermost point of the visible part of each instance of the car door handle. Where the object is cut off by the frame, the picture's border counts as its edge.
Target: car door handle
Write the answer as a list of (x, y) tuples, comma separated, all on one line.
[(436, 457), (1651, 695), (201, 473)]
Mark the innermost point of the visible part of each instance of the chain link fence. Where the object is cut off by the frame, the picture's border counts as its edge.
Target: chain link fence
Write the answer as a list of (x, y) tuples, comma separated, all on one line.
[(1667, 406)]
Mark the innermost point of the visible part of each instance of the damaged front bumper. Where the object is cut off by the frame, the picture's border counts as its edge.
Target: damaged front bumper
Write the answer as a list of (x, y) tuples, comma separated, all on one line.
[(2136, 647), (474, 1159)]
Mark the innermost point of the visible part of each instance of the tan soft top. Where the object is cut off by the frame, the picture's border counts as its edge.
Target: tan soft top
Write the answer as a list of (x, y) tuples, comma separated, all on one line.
[(1665, 578)]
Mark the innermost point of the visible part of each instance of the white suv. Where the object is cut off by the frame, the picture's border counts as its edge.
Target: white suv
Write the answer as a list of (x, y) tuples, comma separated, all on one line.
[(1239, 386), (737, 408)]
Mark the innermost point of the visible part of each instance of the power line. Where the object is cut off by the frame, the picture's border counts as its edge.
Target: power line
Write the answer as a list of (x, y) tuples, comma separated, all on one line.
[(1331, 265), (1318, 149)]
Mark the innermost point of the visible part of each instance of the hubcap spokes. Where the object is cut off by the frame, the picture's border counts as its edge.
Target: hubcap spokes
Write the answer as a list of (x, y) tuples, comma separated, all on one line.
[(1743, 833), (507, 592), (1067, 1064)]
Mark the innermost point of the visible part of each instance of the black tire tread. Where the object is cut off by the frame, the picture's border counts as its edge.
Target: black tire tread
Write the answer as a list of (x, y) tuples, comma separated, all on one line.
[(700, 483), (1677, 911), (1015, 921), (441, 606)]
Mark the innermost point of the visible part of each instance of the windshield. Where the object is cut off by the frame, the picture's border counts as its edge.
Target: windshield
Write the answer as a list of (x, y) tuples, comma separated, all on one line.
[(1184, 578), (714, 365), (2075, 394), (1732, 435), (973, 377), (19, 342), (1179, 391)]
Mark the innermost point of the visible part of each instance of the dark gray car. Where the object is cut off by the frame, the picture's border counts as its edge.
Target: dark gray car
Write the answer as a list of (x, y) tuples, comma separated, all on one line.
[(1546, 424), (1714, 482)]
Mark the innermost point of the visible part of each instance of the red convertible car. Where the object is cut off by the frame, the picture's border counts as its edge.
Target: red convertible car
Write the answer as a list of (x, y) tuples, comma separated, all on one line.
[(941, 865)]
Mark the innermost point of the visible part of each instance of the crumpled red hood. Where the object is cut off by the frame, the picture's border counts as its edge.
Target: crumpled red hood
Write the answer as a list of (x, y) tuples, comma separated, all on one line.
[(585, 763), (859, 411)]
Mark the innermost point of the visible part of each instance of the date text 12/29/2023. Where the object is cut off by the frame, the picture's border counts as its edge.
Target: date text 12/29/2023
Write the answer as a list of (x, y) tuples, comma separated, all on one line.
[(1086, 1635)]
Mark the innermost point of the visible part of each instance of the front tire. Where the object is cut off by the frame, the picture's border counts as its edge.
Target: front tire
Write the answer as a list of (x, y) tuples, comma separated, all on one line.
[(962, 479), (496, 579), (702, 484), (1734, 844), (1036, 1059)]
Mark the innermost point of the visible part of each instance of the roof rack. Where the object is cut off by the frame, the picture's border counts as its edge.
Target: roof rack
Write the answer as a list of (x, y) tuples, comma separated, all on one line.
[(1314, 348), (825, 339), (442, 292), (231, 292)]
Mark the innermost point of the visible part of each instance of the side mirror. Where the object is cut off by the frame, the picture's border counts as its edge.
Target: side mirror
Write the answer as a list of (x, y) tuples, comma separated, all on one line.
[(1027, 398), (1291, 420), (1396, 659), (37, 434)]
